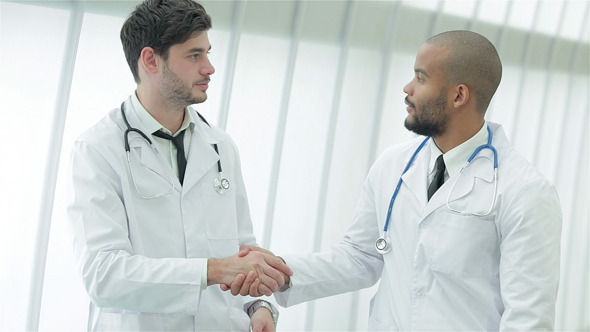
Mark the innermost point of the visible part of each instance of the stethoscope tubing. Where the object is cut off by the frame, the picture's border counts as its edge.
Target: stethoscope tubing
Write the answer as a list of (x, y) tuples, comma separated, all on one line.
[(488, 145), (399, 182), (221, 184)]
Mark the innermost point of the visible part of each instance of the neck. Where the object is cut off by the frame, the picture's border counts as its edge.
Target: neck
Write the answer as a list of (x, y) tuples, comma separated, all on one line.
[(457, 134), (169, 116)]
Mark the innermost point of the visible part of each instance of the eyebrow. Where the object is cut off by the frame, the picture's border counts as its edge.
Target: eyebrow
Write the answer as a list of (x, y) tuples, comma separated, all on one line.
[(421, 71), (198, 50)]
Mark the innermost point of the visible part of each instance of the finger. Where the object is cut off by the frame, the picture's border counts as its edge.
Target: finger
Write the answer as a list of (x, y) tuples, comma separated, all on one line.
[(274, 274), (244, 250), (279, 264), (269, 279), (224, 287), (250, 279), (237, 284), (253, 291), (262, 289)]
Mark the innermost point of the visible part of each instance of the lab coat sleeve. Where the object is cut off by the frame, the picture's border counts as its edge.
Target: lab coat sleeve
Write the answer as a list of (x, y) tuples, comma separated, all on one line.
[(530, 253), (112, 274), (245, 227), (350, 265)]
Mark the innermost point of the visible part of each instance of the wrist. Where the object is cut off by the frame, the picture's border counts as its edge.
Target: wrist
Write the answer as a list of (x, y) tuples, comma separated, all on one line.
[(264, 305), (213, 275), (287, 278)]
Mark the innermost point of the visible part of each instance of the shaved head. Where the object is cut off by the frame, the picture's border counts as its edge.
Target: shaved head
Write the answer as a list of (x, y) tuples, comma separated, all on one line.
[(472, 60)]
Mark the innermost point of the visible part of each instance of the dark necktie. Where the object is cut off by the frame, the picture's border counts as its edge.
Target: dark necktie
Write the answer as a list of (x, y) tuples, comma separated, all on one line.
[(439, 176), (179, 144)]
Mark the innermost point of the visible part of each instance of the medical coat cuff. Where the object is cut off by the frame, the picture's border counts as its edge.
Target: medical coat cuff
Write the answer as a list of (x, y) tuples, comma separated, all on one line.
[(204, 275)]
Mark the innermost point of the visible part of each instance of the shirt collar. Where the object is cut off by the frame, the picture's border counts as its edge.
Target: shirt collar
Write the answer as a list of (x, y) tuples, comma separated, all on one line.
[(457, 157), (152, 125)]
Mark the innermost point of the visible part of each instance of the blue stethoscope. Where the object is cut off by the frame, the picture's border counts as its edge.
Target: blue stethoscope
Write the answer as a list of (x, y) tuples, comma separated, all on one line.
[(383, 243), (220, 183)]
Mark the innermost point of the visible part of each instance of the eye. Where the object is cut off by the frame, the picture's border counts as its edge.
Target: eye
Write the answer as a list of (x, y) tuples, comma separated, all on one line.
[(420, 78), (195, 56)]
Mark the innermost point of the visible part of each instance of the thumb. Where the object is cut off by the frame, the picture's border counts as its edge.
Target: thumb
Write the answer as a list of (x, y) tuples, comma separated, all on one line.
[(244, 250)]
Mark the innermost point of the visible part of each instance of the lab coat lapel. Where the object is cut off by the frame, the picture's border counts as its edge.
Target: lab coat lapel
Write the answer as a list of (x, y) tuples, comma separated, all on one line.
[(202, 157), (141, 150), (480, 168), (149, 158), (415, 179)]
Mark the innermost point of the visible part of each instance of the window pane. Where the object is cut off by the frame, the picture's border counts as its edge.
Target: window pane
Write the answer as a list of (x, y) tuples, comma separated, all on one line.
[(29, 76), (102, 80)]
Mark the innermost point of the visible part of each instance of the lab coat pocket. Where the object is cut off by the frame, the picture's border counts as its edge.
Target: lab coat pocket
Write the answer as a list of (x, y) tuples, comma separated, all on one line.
[(375, 325), (464, 246), (378, 313), (110, 319), (221, 221)]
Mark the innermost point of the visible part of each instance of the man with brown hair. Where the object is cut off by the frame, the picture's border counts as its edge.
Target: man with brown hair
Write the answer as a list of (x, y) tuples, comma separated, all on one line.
[(154, 219)]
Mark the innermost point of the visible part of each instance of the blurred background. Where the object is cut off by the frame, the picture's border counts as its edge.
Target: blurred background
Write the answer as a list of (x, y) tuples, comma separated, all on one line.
[(311, 91)]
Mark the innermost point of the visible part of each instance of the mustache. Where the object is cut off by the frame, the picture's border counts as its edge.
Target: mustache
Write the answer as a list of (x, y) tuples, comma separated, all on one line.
[(205, 80), (409, 102)]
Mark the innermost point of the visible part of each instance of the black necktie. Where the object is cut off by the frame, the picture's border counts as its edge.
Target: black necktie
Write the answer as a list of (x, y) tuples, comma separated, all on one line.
[(439, 176), (179, 144)]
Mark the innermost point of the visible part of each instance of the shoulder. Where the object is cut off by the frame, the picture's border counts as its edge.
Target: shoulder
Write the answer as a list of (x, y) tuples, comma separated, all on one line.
[(400, 150), (212, 134), (105, 129), (513, 168), (105, 139), (396, 156), (523, 188), (210, 131), (519, 178)]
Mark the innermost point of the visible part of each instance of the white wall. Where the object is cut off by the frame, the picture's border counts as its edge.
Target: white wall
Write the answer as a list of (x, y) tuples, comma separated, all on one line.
[(311, 91)]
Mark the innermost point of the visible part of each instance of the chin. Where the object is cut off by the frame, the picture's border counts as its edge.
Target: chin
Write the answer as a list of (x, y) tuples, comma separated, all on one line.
[(198, 100), (408, 123)]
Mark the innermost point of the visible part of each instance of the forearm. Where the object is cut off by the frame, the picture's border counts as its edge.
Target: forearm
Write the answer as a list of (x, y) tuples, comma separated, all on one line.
[(341, 269), (119, 280)]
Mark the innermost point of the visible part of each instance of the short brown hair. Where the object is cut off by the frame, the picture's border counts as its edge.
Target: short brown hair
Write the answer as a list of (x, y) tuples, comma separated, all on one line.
[(160, 24)]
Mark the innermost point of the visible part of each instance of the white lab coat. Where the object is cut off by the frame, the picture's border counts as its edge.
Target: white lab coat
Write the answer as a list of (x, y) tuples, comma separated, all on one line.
[(446, 271), (141, 260)]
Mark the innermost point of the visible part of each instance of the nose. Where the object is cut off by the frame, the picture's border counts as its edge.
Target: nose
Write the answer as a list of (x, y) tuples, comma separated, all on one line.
[(207, 68), (408, 88)]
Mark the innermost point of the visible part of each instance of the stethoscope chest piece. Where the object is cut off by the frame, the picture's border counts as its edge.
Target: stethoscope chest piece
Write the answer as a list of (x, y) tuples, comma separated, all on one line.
[(383, 244), (221, 184)]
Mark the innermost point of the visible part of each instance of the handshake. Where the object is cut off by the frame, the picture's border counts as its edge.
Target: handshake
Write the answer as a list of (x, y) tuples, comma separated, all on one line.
[(252, 271)]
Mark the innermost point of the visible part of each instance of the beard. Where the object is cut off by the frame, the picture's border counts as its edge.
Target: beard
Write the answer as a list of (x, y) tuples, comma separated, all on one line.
[(176, 92), (431, 120)]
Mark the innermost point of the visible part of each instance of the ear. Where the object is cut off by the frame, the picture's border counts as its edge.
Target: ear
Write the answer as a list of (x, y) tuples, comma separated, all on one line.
[(461, 95), (148, 60)]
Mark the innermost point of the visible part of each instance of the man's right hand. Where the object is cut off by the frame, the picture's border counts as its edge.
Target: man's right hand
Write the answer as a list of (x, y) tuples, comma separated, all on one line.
[(249, 284), (264, 271)]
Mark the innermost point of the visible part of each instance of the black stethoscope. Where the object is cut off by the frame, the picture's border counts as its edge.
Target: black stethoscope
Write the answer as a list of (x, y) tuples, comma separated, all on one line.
[(220, 183), (383, 243)]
